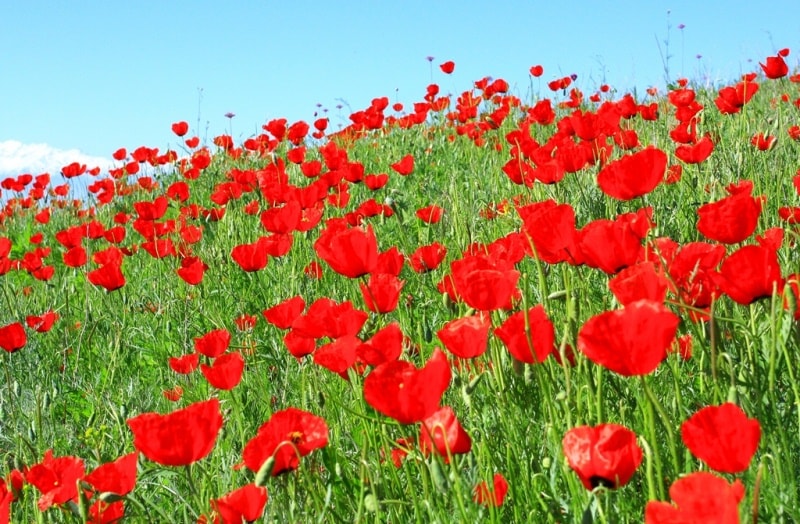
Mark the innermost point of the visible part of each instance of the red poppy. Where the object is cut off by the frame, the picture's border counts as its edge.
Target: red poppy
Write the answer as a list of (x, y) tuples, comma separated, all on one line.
[(427, 258), (484, 284), (245, 504), (447, 67), (404, 166), (551, 231), (42, 323), (283, 219), (351, 252), (178, 438), (603, 455), (74, 169), (108, 276), (287, 436), (75, 257), (466, 337), (528, 336), (633, 175), (251, 257), (118, 477), (214, 343), (442, 432), (723, 437), (375, 182), (338, 356), (185, 364), (385, 345), (775, 67), (698, 497), (494, 496), (731, 219), (13, 337), (749, 273), (731, 99), (609, 245), (381, 293), (282, 315), (192, 270), (536, 71), (696, 153), (399, 390), (637, 282), (763, 142), (431, 214), (630, 341), (690, 269), (180, 128), (57, 479), (326, 318), (225, 372)]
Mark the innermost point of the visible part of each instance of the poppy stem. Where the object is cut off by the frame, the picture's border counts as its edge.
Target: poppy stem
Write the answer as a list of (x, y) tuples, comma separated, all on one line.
[(664, 421)]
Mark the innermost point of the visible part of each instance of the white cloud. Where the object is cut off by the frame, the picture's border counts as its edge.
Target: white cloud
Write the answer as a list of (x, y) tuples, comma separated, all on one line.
[(17, 158)]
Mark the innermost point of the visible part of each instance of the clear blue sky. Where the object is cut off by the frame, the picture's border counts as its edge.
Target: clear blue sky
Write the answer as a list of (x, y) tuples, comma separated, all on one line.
[(93, 76)]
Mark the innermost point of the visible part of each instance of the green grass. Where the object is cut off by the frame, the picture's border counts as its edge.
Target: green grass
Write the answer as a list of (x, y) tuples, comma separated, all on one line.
[(105, 361)]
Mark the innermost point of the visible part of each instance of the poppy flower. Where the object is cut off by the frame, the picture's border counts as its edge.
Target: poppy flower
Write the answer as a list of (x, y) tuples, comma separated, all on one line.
[(427, 258), (552, 233), (536, 71), (697, 153), (108, 276), (604, 455), (466, 337), (381, 293), (287, 436), (385, 345), (214, 343), (775, 67), (326, 318), (723, 437), (251, 257), (491, 496), (698, 497), (442, 432), (691, 270), (484, 284), (609, 245), (225, 372), (731, 99), (637, 282), (13, 337), (399, 390), (118, 477), (178, 438), (185, 364), (282, 315), (528, 335), (431, 214), (447, 67), (404, 166), (749, 273), (351, 252), (57, 479), (192, 270), (633, 175), (180, 128), (631, 341), (42, 323), (244, 504), (731, 219), (763, 142), (338, 356)]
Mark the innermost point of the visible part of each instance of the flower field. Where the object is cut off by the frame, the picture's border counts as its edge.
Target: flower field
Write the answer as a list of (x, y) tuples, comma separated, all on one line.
[(565, 306)]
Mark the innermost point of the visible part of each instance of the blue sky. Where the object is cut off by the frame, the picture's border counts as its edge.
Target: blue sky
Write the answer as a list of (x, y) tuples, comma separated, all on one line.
[(80, 79)]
